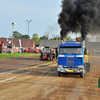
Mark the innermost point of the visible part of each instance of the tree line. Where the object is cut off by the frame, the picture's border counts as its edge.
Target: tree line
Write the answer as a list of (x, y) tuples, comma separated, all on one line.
[(37, 38)]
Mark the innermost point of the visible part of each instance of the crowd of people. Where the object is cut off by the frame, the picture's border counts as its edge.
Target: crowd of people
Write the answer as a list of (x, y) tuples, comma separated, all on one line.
[(93, 52)]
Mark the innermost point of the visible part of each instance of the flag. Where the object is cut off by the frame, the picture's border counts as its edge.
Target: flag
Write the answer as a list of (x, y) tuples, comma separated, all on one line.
[(55, 35), (52, 35), (7, 41), (48, 35)]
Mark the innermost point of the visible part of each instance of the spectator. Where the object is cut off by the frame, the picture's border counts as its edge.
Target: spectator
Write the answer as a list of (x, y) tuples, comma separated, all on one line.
[(56, 53), (41, 53), (21, 50), (53, 55)]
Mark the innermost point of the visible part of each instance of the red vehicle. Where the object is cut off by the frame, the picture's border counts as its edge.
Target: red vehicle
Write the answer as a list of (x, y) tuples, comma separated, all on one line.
[(30, 51), (46, 54), (39, 50)]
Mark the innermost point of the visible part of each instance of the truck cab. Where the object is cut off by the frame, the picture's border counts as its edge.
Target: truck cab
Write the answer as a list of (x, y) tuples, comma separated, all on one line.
[(71, 58)]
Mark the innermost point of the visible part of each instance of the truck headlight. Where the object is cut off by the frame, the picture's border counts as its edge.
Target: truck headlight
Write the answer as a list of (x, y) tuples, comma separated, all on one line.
[(80, 66), (60, 66)]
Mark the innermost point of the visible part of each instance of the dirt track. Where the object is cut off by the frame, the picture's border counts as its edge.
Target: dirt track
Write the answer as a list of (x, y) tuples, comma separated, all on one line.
[(42, 83), (10, 64)]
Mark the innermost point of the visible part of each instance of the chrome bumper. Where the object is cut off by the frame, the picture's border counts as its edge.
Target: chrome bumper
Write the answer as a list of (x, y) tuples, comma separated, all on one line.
[(70, 70)]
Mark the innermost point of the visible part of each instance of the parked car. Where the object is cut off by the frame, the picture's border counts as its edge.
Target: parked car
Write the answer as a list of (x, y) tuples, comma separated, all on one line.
[(30, 51), (38, 50)]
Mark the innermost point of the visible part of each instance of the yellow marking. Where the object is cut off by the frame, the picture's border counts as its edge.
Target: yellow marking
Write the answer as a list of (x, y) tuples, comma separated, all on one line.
[(69, 70)]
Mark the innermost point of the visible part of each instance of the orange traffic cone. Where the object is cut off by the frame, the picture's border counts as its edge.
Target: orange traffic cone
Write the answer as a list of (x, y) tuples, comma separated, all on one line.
[(14, 55), (37, 53), (3, 56), (30, 54), (23, 55)]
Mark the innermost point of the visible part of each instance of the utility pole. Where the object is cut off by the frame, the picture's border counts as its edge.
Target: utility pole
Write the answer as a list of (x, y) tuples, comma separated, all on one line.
[(12, 36), (28, 31)]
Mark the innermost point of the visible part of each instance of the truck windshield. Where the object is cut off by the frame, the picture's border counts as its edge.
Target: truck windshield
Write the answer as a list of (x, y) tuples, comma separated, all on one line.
[(70, 50)]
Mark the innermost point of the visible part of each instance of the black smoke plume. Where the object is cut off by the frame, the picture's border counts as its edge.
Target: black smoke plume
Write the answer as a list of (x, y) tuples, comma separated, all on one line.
[(80, 16)]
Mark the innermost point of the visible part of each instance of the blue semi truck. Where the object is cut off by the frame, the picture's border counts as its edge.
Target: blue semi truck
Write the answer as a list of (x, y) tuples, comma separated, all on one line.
[(72, 58)]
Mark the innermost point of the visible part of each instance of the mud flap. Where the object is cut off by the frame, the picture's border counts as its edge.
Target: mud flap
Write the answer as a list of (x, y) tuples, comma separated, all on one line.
[(99, 83), (87, 67)]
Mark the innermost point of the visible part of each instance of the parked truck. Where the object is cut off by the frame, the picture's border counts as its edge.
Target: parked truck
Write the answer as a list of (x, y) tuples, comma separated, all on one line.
[(72, 58)]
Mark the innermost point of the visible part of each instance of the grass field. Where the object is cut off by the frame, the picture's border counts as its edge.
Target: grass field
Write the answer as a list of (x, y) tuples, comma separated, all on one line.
[(16, 55)]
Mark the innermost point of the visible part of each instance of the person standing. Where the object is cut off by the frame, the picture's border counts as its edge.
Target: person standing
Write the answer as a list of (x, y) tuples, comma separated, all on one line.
[(56, 53), (53, 55)]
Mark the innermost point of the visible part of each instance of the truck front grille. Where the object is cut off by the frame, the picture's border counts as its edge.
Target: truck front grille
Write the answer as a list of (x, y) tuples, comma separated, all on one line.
[(70, 61)]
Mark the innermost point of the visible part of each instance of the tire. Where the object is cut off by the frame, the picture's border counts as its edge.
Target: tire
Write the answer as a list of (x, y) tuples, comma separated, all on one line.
[(82, 74), (40, 59), (59, 73), (35, 52), (48, 58)]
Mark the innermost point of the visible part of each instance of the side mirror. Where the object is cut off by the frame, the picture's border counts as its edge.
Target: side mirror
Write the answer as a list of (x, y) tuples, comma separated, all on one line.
[(85, 51)]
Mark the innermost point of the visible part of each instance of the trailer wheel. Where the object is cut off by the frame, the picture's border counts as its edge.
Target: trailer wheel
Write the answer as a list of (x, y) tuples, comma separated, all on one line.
[(59, 73), (82, 74)]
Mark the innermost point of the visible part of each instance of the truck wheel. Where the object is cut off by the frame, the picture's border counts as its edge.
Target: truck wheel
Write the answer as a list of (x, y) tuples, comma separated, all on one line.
[(48, 58), (59, 73), (40, 59), (82, 74)]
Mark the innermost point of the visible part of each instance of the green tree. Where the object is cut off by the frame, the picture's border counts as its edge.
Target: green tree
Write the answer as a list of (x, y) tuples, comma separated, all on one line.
[(20, 36), (17, 35), (35, 37), (55, 38), (43, 38), (25, 37), (68, 39)]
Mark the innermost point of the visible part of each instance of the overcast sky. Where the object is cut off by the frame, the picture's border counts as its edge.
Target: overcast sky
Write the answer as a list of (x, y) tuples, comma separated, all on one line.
[(43, 13)]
